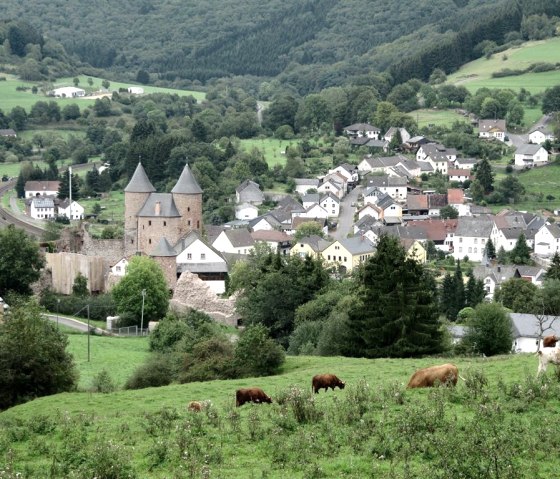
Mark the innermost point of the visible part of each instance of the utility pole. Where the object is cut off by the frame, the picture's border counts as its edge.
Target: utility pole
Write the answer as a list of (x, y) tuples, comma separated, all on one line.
[(88, 333), (142, 317), (70, 190), (57, 308)]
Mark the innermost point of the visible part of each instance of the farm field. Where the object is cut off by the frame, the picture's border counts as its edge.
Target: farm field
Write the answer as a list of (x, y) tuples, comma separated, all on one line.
[(478, 73), (272, 149), (540, 183), (430, 116), (11, 97), (372, 428)]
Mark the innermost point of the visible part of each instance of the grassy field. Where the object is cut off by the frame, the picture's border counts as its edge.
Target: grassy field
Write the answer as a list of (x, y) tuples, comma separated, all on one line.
[(112, 205), (58, 132), (429, 116), (478, 73), (372, 428), (272, 149), (540, 183), (119, 356), (11, 97)]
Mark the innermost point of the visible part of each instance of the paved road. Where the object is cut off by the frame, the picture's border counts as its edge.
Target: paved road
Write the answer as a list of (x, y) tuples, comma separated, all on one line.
[(518, 140), (74, 324), (346, 217)]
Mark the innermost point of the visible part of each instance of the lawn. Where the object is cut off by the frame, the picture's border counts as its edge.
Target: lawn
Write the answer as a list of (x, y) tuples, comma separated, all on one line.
[(540, 183), (478, 73), (372, 428), (11, 97), (272, 149), (427, 117)]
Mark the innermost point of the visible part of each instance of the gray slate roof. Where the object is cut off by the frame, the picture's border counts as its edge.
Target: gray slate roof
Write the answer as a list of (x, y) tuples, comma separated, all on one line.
[(315, 242), (187, 184), (358, 245), (527, 149), (386, 181), (43, 202), (479, 227), (163, 248), (240, 237), (167, 208), (526, 325), (139, 183)]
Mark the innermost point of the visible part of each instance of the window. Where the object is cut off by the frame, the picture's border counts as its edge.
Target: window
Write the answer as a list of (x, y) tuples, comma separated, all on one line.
[(202, 255), (149, 241), (189, 255), (165, 223), (188, 208), (329, 257), (188, 222), (150, 223), (460, 239), (460, 249), (470, 249)]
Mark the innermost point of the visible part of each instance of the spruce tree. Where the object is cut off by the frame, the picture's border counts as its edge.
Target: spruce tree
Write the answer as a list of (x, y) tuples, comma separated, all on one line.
[(459, 290), (490, 250), (521, 253), (447, 296), (553, 271), (485, 176), (475, 292), (397, 314)]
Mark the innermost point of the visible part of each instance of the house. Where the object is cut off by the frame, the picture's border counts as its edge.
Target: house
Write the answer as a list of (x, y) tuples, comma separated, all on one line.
[(464, 163), (348, 253), (198, 257), (391, 211), (471, 236), (349, 172), (310, 199), (370, 210), (392, 185), (68, 92), (386, 164), (135, 90), (547, 240), (362, 130), (426, 204), (366, 223), (334, 186), (437, 155), (492, 129), (249, 192), (493, 275), (41, 188), (303, 185), (371, 194), (8, 133), (415, 142), (530, 155), (265, 222), (414, 250), (313, 211), (246, 211), (456, 198), (405, 135), (278, 241), (73, 211), (237, 241), (41, 208), (458, 175), (440, 232), (510, 225), (311, 246), (541, 134), (119, 268), (529, 329), (297, 221), (331, 204)]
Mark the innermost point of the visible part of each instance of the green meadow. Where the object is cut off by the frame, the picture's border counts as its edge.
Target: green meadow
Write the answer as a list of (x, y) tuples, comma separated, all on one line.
[(539, 184), (490, 425), (11, 97), (431, 116), (274, 150), (478, 73)]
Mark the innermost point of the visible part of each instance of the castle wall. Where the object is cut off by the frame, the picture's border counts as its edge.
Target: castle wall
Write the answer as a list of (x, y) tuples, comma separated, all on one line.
[(152, 229), (65, 267), (169, 267), (190, 209), (132, 204)]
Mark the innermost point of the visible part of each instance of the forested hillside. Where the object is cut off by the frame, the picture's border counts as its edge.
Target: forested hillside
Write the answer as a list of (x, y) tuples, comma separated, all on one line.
[(309, 44)]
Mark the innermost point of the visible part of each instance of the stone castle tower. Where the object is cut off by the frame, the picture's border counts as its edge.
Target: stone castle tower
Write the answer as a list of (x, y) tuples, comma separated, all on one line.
[(151, 216)]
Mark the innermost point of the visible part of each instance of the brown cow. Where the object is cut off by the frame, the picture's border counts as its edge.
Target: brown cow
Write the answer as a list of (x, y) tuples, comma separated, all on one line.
[(549, 341), (256, 395), (326, 381), (195, 406), (428, 377)]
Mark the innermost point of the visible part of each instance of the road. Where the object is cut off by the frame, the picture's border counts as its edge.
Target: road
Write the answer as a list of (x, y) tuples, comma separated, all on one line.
[(74, 324), (346, 216), (518, 140)]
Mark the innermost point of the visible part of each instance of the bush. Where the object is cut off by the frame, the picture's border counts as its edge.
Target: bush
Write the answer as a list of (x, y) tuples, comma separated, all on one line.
[(210, 359), (103, 383), (156, 371), (167, 334), (256, 354)]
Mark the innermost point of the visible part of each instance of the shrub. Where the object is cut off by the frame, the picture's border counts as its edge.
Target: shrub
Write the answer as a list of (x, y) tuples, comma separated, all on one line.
[(103, 382), (167, 334), (300, 403), (210, 359), (256, 354), (156, 371)]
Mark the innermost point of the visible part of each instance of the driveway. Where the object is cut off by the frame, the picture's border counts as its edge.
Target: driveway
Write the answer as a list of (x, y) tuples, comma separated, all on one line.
[(346, 217)]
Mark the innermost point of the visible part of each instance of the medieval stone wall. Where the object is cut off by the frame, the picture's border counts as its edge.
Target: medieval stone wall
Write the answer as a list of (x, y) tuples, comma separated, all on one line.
[(65, 267), (193, 293)]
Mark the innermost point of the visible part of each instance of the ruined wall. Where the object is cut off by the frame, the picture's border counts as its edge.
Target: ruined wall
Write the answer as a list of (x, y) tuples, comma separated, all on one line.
[(110, 249), (193, 293), (65, 267)]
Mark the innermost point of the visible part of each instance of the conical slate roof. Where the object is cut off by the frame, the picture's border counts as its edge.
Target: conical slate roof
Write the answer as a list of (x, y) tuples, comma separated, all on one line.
[(139, 183), (163, 249), (187, 184)]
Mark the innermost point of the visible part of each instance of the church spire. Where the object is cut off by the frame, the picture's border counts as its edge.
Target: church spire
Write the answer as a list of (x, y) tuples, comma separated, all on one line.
[(187, 184)]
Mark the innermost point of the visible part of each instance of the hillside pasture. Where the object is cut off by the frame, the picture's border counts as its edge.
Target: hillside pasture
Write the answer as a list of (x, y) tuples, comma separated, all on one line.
[(478, 73), (539, 184), (372, 428), (273, 150), (10, 96), (431, 116)]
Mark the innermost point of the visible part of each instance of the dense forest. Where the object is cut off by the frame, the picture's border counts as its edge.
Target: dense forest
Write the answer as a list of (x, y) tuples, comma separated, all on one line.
[(308, 45)]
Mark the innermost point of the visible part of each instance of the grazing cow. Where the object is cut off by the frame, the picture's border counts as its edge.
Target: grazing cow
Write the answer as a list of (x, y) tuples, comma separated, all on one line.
[(326, 381), (549, 341), (256, 395), (546, 356), (195, 406), (428, 377)]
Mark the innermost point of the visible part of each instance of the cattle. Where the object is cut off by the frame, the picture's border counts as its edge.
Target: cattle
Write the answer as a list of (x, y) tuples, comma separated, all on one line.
[(195, 406), (549, 341), (256, 395), (326, 381), (445, 374), (546, 356)]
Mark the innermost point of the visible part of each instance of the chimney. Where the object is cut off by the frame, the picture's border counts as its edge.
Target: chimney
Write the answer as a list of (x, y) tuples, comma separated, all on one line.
[(158, 208)]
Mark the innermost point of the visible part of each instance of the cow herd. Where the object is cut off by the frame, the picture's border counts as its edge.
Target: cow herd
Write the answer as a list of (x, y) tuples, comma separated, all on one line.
[(445, 374)]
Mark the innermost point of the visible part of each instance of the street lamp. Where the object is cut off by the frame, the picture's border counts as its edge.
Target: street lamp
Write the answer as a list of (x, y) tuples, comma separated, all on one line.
[(142, 317)]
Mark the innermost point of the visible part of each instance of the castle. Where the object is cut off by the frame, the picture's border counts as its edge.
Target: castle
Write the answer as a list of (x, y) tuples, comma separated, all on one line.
[(154, 219)]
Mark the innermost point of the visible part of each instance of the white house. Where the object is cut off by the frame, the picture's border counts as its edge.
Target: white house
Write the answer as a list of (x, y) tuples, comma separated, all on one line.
[(246, 211), (394, 186), (331, 204), (547, 240), (249, 192), (313, 211), (199, 258), (278, 241), (303, 185), (68, 92), (135, 90), (371, 210), (73, 211), (119, 268), (530, 155), (529, 329), (465, 163), (471, 236), (492, 129), (237, 241), (348, 171), (405, 135), (540, 135), (458, 175), (362, 130), (41, 188), (332, 186), (41, 208)]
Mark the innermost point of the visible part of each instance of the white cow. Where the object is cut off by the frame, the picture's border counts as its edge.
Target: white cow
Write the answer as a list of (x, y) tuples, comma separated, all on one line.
[(546, 356)]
